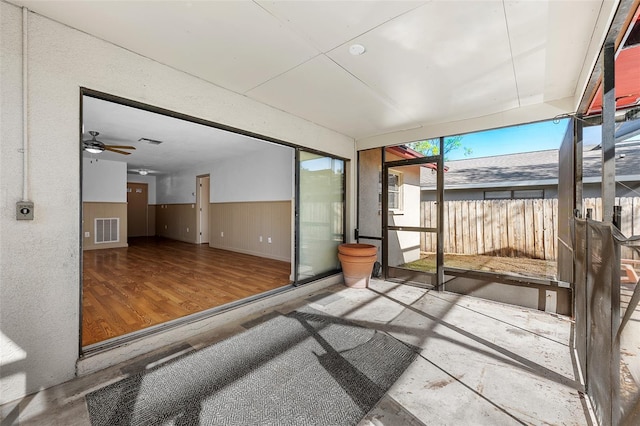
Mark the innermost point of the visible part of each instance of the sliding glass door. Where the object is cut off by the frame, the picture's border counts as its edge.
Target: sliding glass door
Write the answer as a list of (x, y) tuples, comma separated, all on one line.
[(319, 214)]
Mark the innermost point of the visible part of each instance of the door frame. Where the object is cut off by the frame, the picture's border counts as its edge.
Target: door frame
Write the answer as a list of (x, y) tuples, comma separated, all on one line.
[(386, 228), (199, 203)]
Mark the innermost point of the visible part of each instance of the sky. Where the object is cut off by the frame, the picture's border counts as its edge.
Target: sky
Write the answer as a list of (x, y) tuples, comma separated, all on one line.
[(510, 140), (524, 138)]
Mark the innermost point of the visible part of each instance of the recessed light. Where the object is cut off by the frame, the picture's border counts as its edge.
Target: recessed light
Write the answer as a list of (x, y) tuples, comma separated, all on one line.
[(357, 49)]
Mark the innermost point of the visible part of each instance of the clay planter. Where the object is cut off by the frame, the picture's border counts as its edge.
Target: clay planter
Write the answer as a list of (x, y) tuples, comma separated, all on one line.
[(357, 263)]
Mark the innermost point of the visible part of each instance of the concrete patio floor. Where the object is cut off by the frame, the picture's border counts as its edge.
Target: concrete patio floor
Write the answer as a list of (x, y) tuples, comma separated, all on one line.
[(481, 362)]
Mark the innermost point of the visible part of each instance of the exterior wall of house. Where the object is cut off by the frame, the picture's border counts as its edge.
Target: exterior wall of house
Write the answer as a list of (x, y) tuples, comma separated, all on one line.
[(549, 192), (590, 190), (404, 246), (40, 274)]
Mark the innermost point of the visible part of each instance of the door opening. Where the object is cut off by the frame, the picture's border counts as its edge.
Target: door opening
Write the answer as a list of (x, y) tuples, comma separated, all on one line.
[(202, 204), (404, 225), (137, 210)]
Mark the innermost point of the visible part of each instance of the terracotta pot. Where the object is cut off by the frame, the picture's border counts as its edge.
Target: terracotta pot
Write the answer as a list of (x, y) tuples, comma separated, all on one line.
[(357, 263)]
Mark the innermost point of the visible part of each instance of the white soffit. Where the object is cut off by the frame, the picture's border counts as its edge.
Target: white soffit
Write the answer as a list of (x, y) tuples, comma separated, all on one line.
[(328, 95), (549, 42), (444, 61), (328, 24), (426, 64), (236, 45)]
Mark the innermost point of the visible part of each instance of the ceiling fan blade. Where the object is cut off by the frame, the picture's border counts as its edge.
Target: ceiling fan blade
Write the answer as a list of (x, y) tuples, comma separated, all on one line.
[(121, 146), (110, 148)]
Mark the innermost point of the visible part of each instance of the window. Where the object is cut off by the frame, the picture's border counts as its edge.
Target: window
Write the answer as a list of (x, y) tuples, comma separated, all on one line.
[(395, 190), (514, 195), (497, 195), (528, 194)]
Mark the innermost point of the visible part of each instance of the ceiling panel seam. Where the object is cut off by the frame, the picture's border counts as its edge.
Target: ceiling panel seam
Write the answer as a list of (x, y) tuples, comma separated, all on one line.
[(513, 65)]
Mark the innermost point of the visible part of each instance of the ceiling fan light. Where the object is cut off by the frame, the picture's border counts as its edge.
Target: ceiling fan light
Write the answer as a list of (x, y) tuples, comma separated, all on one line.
[(143, 172), (94, 149)]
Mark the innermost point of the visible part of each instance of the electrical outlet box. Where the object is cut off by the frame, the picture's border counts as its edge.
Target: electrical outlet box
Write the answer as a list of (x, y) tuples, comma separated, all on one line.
[(260, 239), (222, 234), (87, 234), (24, 210)]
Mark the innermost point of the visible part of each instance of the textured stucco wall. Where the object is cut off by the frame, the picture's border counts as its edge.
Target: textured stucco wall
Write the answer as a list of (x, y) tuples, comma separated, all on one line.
[(40, 273)]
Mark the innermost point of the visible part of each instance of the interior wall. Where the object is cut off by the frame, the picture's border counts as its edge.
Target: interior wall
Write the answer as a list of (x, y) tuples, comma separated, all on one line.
[(40, 274), (261, 228), (104, 181), (263, 176), (91, 212), (176, 221)]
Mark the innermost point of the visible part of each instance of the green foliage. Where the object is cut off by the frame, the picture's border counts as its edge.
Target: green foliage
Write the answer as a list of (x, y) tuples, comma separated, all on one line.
[(431, 147)]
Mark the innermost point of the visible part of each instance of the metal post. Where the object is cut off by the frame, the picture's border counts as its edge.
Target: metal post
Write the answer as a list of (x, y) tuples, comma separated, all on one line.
[(608, 133), (440, 219), (384, 213), (577, 162), (617, 216)]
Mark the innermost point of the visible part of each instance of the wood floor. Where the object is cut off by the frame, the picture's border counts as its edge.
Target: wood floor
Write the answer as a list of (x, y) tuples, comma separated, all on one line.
[(155, 280)]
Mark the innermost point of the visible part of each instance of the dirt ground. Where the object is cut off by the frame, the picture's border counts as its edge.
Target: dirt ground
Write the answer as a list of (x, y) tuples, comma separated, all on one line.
[(508, 265)]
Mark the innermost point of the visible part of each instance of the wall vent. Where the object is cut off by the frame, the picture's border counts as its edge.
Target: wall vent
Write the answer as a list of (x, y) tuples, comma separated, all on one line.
[(107, 230)]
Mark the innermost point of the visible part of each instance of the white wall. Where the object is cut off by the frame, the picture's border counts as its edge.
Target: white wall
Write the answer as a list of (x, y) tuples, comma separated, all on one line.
[(179, 188), (263, 176), (104, 181), (40, 270)]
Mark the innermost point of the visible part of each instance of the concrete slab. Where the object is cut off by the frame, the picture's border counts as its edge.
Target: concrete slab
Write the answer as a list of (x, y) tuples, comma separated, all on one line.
[(479, 362)]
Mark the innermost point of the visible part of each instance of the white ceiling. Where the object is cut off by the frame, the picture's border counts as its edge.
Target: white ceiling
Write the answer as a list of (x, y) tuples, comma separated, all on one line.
[(185, 145), (426, 63)]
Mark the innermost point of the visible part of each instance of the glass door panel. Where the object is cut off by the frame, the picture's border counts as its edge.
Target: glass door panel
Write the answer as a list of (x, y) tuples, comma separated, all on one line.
[(320, 215)]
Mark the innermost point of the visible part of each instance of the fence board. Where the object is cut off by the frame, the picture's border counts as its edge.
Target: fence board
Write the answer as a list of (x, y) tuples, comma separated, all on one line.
[(486, 228), (479, 227), (458, 237), (511, 227), (473, 228), (465, 224), (503, 225), (447, 229), (538, 229)]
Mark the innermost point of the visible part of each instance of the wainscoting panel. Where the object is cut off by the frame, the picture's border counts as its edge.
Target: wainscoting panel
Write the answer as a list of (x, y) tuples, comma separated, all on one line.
[(241, 226), (176, 221), (92, 211)]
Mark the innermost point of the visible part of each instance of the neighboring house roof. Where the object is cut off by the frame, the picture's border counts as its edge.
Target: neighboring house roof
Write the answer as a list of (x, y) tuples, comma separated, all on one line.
[(529, 169)]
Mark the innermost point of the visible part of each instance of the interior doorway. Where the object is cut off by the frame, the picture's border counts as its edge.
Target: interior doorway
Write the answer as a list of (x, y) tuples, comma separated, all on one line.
[(137, 209), (202, 204)]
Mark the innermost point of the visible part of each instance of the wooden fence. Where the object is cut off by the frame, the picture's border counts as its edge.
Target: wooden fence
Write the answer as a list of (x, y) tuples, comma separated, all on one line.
[(511, 228)]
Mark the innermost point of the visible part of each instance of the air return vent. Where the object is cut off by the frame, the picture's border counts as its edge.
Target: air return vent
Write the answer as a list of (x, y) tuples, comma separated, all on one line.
[(107, 230)]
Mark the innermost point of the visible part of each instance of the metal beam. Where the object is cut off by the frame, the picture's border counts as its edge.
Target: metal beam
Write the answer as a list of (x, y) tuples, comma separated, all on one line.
[(440, 218), (608, 132)]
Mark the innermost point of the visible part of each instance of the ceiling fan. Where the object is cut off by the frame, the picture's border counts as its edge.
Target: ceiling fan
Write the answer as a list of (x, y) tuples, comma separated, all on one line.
[(94, 146)]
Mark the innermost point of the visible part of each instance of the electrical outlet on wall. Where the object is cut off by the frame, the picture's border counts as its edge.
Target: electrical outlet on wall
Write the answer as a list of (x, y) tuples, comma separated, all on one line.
[(187, 229), (260, 239), (269, 240), (221, 233), (87, 234)]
